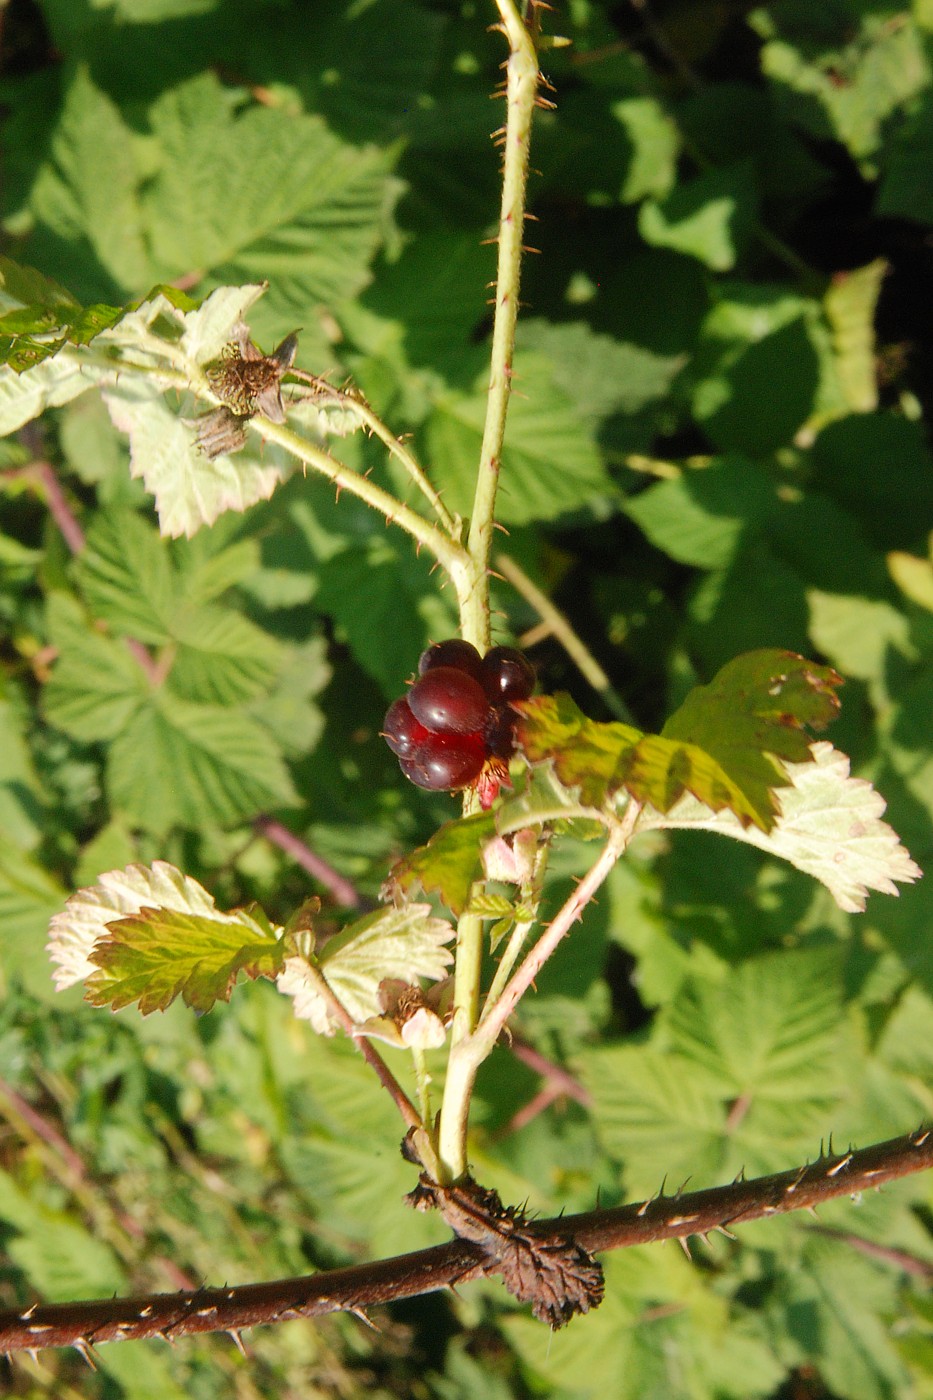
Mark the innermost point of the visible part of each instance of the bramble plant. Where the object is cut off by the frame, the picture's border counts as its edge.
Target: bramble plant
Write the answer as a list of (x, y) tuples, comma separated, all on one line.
[(427, 982)]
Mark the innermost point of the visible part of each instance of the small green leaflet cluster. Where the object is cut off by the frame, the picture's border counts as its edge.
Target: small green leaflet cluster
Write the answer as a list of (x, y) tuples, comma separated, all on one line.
[(735, 758), (146, 935), (183, 689)]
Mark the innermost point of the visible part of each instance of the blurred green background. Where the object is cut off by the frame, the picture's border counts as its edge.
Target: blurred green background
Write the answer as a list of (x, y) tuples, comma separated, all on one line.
[(718, 442)]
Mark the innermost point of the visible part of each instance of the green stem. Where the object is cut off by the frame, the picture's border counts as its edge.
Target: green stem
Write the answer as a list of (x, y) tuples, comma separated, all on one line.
[(398, 450), (422, 1083), (448, 553), (496, 1016), (521, 90)]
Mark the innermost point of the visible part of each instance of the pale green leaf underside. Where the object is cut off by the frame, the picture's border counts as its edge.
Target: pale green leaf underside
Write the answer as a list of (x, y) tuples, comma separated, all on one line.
[(84, 919), (190, 490), (829, 826), (407, 943)]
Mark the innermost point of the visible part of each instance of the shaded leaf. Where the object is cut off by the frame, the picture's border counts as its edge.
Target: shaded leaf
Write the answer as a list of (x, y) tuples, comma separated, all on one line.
[(450, 863), (550, 464), (178, 763)]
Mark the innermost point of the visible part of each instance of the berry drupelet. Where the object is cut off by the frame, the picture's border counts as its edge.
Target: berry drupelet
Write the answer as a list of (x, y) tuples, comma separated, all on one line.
[(456, 727)]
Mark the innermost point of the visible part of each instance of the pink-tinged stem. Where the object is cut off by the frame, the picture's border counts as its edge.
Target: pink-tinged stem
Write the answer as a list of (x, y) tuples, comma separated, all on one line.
[(342, 890)]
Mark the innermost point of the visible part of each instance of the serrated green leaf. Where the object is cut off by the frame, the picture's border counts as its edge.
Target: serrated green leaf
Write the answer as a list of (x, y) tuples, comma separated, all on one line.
[(598, 760), (845, 1301), (829, 826), (89, 189), (406, 943), (598, 373), (709, 217), (388, 607), (703, 517), (660, 1334), (60, 1258), (97, 685), (222, 657), (263, 194), (126, 575), (743, 1073), (156, 955), (491, 906), (550, 464), (29, 896), (84, 921), (759, 704), (450, 863), (176, 763)]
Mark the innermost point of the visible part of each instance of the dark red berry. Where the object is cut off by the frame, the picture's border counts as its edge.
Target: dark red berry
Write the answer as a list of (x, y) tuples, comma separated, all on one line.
[(445, 762), (507, 675), (400, 729), (448, 701), (462, 656), (499, 732)]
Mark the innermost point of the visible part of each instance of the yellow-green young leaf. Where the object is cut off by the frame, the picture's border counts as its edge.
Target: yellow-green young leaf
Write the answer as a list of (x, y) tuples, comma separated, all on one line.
[(450, 862), (86, 921), (601, 759), (158, 954), (757, 709)]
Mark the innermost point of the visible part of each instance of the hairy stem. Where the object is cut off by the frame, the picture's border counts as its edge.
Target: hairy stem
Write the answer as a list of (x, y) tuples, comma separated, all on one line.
[(83, 1325), (521, 90), (498, 1013), (369, 1052), (402, 454), (450, 555), (473, 599)]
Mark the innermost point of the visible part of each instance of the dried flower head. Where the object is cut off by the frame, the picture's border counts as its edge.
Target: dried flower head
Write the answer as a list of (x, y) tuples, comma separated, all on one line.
[(250, 382)]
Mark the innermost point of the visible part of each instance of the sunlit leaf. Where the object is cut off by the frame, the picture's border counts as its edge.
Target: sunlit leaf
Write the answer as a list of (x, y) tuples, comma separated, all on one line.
[(450, 863), (828, 825), (406, 943), (151, 957), (87, 914)]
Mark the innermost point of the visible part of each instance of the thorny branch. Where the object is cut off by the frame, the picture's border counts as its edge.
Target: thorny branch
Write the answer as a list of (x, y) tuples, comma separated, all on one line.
[(84, 1325)]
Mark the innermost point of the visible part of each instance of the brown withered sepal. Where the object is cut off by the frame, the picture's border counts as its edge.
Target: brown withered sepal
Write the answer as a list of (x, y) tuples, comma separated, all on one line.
[(555, 1275)]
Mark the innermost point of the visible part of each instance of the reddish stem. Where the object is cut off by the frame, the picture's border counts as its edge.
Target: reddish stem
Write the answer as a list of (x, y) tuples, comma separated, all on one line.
[(82, 1325), (342, 890)]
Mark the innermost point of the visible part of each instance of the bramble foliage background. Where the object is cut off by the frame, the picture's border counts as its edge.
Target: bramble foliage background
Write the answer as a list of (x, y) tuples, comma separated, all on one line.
[(718, 443)]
